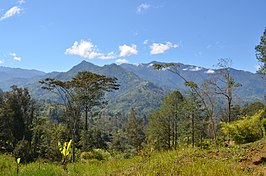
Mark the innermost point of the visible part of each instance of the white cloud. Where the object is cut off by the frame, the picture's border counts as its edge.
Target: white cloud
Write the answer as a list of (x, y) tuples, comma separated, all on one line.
[(142, 7), (121, 61), (145, 42), (15, 57), (11, 12), (210, 71), (126, 50), (20, 2), (1, 62), (159, 48), (88, 50)]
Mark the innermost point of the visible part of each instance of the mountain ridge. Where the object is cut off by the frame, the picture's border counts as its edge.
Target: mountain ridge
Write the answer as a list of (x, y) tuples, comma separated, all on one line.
[(142, 87)]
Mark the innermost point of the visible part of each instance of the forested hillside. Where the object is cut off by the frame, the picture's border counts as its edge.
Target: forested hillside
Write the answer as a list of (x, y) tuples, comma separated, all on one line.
[(142, 87)]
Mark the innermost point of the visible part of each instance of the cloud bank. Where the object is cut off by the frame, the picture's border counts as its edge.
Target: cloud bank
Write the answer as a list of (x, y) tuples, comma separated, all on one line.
[(88, 50), (159, 48), (126, 50)]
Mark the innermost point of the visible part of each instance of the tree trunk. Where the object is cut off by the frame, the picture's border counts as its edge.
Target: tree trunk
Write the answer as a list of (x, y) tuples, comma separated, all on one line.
[(169, 136), (73, 147), (173, 135), (73, 142), (176, 136), (193, 130), (229, 109), (86, 117)]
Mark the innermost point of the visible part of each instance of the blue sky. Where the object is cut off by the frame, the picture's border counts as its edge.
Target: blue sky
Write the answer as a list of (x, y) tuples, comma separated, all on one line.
[(56, 35)]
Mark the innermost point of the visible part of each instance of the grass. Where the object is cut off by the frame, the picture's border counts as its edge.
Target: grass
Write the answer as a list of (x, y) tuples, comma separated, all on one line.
[(234, 161)]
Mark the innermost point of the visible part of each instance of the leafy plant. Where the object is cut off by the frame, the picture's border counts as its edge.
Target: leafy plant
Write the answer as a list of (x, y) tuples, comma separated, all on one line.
[(18, 163), (65, 151), (245, 130)]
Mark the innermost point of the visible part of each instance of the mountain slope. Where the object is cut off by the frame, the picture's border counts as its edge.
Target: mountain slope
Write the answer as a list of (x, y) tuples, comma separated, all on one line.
[(17, 76), (133, 92), (252, 88), (142, 87)]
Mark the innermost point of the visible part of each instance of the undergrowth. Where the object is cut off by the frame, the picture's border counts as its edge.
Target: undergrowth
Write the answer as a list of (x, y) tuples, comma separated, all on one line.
[(232, 161)]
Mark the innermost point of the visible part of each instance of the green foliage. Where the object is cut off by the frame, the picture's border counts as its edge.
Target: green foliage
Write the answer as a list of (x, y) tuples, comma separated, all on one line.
[(184, 161), (46, 135), (245, 130), (261, 53), (17, 115), (7, 165), (163, 127), (97, 154), (134, 131), (22, 151), (252, 108), (65, 149), (263, 125), (18, 160), (119, 142), (93, 138), (191, 84)]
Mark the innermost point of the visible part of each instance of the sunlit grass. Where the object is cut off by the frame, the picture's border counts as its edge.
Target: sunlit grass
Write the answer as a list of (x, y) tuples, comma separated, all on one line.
[(179, 162)]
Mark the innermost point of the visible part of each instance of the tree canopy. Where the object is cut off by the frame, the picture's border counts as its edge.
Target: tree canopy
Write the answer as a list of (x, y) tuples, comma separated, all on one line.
[(261, 53)]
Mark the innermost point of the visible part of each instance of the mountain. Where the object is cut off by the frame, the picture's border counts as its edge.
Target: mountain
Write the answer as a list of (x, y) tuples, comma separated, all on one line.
[(252, 89), (142, 87), (17, 76), (7, 73), (133, 92)]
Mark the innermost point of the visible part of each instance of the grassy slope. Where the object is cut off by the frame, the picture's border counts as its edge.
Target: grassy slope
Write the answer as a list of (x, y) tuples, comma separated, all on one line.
[(238, 160)]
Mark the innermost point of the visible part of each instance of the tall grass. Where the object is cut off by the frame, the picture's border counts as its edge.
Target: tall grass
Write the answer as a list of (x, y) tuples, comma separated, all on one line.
[(180, 162)]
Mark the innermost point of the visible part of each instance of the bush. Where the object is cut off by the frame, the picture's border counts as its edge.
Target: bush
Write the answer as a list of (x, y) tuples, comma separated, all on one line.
[(263, 125), (245, 130), (97, 154), (22, 151)]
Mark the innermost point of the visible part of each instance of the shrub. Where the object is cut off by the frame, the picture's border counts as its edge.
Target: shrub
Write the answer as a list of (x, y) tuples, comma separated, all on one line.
[(243, 131), (97, 154), (22, 151), (263, 125)]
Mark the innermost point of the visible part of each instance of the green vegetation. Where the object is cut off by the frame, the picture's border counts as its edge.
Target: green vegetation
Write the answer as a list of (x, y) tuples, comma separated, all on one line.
[(248, 129), (190, 133), (232, 161), (261, 53)]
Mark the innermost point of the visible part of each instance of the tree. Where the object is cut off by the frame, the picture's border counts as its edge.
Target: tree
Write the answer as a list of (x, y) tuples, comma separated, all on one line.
[(90, 89), (134, 130), (84, 90), (17, 116), (1, 97), (223, 84), (164, 125), (94, 138), (261, 53), (72, 107), (194, 119), (205, 98)]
